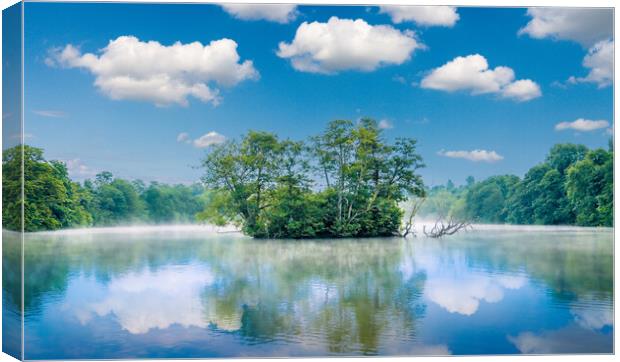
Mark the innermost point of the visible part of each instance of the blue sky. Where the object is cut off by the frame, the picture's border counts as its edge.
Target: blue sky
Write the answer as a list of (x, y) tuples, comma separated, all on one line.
[(89, 103)]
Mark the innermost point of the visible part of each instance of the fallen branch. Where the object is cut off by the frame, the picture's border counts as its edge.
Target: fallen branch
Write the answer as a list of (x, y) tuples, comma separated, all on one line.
[(441, 229)]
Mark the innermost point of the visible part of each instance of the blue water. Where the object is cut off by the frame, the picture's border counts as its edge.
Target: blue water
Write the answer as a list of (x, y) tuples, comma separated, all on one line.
[(190, 293)]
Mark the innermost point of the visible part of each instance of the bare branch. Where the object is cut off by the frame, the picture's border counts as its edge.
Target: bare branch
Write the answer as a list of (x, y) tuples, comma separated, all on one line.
[(416, 205), (450, 228)]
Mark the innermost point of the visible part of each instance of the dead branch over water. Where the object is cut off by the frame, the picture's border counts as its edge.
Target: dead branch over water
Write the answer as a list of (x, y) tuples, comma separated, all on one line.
[(450, 228)]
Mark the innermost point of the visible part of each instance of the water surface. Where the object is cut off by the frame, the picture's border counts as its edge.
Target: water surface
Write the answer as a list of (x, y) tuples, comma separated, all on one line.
[(192, 293)]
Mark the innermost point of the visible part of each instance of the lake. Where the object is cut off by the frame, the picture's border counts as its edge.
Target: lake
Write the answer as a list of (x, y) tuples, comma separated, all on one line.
[(191, 292)]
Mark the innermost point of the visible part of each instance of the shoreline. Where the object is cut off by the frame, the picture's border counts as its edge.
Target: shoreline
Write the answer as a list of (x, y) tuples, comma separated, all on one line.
[(212, 229)]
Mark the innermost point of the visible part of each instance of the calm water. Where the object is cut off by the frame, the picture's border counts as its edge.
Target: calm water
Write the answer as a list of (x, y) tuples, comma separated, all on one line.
[(196, 294)]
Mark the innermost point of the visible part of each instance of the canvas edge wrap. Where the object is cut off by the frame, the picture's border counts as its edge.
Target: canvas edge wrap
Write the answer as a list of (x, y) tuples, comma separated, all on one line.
[(12, 204)]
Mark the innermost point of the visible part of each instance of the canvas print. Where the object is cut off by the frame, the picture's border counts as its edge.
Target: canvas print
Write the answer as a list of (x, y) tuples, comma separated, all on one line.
[(284, 180)]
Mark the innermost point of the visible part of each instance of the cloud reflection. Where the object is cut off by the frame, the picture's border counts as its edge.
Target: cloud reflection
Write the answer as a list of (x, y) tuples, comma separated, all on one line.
[(570, 339), (593, 318), (453, 284), (463, 294), (147, 300)]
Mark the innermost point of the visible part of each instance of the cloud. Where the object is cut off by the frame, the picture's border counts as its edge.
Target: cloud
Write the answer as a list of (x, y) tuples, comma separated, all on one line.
[(585, 26), (209, 139), (344, 44), (78, 170), (279, 13), (183, 137), (130, 69), (51, 114), (475, 155), (422, 15), (521, 90), (471, 73), (582, 125), (600, 61), (385, 124)]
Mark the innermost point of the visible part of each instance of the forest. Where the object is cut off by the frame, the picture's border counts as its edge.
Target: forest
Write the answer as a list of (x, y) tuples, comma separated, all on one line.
[(347, 181), (53, 201), (573, 186)]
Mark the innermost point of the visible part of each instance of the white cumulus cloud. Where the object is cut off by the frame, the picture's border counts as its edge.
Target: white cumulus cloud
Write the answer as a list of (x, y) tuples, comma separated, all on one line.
[(475, 155), (131, 69), (600, 61), (209, 139), (582, 125), (345, 44), (521, 90), (422, 15), (472, 73), (279, 13), (585, 26)]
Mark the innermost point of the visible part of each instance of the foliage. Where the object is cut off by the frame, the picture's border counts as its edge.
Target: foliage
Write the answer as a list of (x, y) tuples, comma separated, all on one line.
[(573, 186), (346, 182), (272, 185), (589, 187), (54, 201)]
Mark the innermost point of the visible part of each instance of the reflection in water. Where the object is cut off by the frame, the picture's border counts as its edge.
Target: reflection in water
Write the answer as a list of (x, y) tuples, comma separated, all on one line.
[(565, 340), (145, 300), (11, 293), (594, 319), (463, 294), (196, 294)]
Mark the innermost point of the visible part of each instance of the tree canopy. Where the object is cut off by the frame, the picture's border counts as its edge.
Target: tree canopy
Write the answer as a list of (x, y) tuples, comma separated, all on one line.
[(573, 186), (346, 181), (52, 200)]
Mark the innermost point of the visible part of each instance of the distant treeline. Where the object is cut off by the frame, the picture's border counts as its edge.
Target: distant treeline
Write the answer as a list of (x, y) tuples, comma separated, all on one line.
[(53, 201), (573, 186), (269, 188)]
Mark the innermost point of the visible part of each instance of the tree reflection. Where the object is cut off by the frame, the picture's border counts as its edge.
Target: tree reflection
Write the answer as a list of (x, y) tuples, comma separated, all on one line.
[(347, 294), (11, 269), (343, 296)]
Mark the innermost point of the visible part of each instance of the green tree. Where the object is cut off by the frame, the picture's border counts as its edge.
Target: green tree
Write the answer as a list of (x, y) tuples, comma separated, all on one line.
[(525, 195), (541, 197), (589, 186), (269, 186), (561, 156), (487, 201), (50, 200), (246, 171), (439, 202), (115, 201), (171, 203)]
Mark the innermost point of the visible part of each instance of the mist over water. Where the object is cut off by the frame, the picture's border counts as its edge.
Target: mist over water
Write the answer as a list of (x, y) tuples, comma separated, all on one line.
[(196, 291)]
